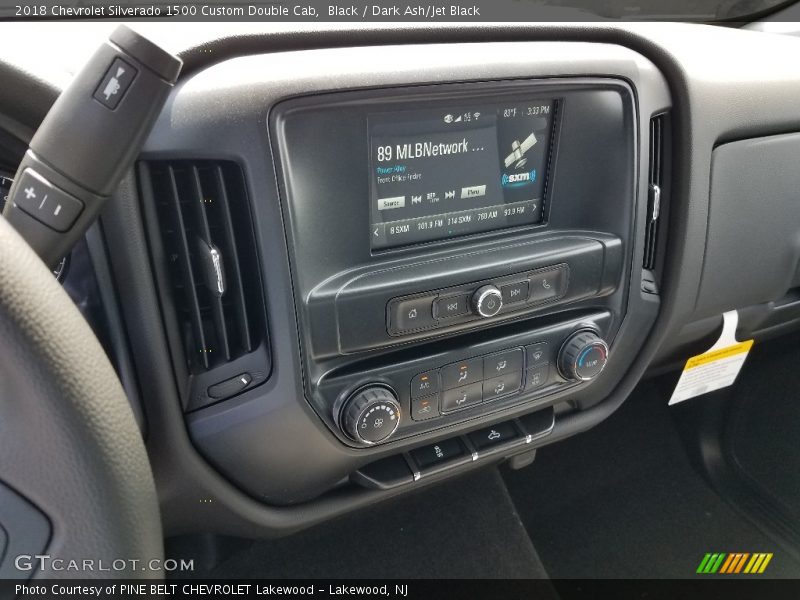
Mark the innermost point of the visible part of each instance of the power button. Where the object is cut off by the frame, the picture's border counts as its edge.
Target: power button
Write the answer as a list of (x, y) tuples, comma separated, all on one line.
[(487, 301)]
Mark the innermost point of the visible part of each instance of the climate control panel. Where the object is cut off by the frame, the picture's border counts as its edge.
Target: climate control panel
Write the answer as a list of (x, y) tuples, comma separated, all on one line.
[(424, 393)]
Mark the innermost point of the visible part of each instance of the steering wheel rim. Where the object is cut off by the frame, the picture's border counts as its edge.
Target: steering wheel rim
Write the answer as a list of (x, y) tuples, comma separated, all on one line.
[(69, 442)]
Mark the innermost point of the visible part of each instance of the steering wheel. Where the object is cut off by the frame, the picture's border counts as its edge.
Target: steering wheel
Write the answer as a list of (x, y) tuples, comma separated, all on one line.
[(69, 444), (75, 481)]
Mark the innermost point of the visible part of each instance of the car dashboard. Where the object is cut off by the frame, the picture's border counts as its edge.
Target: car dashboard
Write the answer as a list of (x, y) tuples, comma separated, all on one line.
[(345, 267)]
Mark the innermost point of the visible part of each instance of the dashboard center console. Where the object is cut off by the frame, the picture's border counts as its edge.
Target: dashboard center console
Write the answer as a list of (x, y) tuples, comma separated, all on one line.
[(458, 250), (434, 257)]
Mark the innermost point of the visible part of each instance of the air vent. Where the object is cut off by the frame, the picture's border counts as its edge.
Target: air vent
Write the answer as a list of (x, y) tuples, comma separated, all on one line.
[(208, 255), (655, 190)]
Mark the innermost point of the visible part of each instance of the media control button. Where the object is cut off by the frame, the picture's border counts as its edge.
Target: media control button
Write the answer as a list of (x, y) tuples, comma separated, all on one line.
[(462, 397), (502, 363), (491, 436), (452, 306), (537, 354), (415, 313), (473, 191), (425, 408), (502, 386), (515, 292), (378, 235), (436, 454), (537, 377), (462, 373), (393, 202), (547, 285), (425, 384)]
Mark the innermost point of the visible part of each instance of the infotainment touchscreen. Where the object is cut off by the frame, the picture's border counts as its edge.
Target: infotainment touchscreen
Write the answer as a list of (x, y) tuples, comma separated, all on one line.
[(441, 173)]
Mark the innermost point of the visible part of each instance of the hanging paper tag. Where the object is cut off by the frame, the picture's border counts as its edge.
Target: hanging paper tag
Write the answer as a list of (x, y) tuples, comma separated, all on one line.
[(717, 367)]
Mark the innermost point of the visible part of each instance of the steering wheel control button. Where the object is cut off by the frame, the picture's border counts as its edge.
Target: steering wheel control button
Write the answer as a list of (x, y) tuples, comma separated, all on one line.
[(115, 83), (371, 415), (453, 306), (487, 301), (462, 373), (537, 354), (423, 409), (425, 384), (45, 202), (515, 292), (547, 285), (230, 387), (583, 356), (502, 386), (412, 314), (536, 377), (492, 436), (462, 397), (437, 454), (502, 363)]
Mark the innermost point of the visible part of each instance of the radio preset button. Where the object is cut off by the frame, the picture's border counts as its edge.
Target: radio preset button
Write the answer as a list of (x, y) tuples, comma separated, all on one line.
[(425, 384), (453, 306), (415, 313), (462, 373), (515, 292), (462, 397)]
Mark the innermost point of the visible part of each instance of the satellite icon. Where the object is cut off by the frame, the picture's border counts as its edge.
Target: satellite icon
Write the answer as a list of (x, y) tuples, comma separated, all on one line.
[(518, 150)]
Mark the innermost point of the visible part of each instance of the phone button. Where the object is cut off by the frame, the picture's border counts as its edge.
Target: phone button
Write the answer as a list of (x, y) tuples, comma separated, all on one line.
[(547, 285)]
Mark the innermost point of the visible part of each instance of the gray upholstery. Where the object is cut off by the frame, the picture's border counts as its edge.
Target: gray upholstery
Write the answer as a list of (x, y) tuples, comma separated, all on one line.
[(68, 439)]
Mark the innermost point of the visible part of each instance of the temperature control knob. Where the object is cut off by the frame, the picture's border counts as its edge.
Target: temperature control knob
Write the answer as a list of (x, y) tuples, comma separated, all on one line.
[(371, 415), (582, 356), (487, 301)]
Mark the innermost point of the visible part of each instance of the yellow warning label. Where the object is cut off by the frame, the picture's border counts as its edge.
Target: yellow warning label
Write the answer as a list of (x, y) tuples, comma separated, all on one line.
[(722, 353)]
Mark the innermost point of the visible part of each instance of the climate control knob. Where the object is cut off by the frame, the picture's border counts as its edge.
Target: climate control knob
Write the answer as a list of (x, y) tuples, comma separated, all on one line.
[(582, 356), (487, 301), (371, 415)]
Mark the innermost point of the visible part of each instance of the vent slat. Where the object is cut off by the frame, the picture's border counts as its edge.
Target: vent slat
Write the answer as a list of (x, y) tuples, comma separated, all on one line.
[(209, 246), (200, 353), (235, 272), (655, 186), (197, 202)]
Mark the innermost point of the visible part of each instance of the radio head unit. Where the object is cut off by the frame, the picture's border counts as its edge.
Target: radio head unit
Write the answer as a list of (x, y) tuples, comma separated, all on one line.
[(456, 170)]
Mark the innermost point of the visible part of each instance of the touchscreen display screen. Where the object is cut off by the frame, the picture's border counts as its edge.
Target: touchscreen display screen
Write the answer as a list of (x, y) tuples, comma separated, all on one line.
[(440, 173)]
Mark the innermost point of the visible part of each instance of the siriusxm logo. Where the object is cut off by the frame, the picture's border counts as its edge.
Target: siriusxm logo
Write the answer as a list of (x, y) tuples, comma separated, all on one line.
[(518, 179)]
